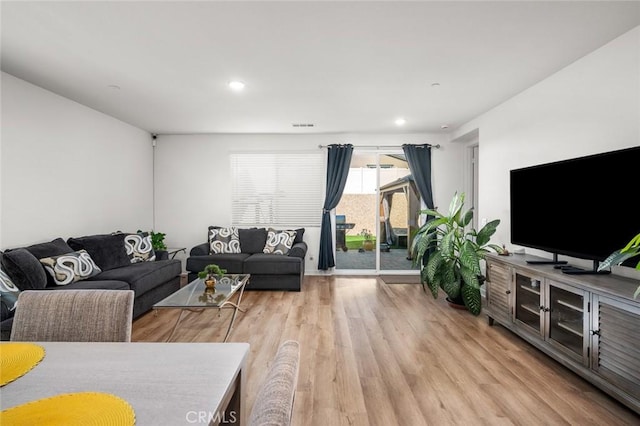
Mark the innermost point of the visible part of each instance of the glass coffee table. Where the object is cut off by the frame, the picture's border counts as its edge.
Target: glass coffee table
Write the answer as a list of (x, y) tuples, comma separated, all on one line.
[(195, 296)]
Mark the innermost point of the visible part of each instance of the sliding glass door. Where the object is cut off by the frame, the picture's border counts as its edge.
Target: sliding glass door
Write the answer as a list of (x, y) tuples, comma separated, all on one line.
[(376, 215), (399, 207), (356, 216)]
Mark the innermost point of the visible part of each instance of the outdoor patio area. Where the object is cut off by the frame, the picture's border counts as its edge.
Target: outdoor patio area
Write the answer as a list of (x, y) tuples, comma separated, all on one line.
[(393, 260)]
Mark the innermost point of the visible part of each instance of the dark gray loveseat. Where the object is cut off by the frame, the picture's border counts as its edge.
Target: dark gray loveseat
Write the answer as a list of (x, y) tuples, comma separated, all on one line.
[(268, 271), (151, 281)]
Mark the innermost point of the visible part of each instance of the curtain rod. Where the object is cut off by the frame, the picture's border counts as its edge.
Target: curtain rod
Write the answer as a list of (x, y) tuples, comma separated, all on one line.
[(383, 146)]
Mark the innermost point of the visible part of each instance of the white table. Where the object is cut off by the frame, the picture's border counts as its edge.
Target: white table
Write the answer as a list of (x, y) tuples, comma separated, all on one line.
[(165, 383)]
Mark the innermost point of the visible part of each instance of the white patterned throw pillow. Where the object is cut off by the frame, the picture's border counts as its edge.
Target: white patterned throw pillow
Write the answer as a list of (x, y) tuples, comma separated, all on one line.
[(8, 291), (139, 247), (224, 240), (279, 242), (70, 267)]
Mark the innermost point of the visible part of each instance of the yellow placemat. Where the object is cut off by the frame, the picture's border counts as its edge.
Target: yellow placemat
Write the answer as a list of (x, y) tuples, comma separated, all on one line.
[(71, 409), (16, 359)]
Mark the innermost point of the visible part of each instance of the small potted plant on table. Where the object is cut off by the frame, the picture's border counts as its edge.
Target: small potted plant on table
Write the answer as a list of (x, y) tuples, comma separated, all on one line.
[(210, 273)]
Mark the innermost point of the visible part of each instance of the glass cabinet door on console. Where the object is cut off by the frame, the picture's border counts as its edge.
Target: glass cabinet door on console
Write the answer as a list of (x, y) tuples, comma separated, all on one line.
[(529, 306), (555, 312), (567, 329)]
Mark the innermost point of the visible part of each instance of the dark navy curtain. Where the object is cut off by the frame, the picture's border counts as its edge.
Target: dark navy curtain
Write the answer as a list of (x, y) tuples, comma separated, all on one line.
[(419, 159), (339, 159)]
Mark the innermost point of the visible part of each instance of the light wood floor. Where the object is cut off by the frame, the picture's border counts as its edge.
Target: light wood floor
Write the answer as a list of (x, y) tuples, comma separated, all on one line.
[(389, 354)]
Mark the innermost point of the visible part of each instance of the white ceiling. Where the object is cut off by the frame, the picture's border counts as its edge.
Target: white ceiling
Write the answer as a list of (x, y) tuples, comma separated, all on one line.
[(343, 66)]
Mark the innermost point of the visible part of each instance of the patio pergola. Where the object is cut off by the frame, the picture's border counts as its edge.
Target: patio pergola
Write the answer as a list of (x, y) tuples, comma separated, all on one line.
[(398, 236)]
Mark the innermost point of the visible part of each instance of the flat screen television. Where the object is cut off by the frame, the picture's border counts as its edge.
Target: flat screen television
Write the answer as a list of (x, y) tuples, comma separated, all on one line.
[(583, 207)]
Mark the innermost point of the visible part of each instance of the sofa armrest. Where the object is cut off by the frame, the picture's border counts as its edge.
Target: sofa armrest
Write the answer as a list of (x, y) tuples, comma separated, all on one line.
[(200, 250), (299, 250), (162, 255)]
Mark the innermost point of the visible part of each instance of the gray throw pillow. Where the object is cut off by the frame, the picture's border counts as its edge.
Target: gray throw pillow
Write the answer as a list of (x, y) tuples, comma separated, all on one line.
[(299, 236), (55, 247), (25, 270), (252, 240), (8, 291), (52, 248), (106, 250)]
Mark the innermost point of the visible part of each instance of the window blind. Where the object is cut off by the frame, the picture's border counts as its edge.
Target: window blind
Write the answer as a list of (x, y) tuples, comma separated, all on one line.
[(279, 189)]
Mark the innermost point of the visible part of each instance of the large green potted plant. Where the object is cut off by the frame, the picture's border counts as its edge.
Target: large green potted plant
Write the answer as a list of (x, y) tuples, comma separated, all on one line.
[(632, 249), (454, 250)]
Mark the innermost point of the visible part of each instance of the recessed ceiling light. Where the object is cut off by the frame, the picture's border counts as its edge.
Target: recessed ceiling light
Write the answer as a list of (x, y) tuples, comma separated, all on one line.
[(444, 126), (400, 121), (236, 85), (113, 87), (436, 84)]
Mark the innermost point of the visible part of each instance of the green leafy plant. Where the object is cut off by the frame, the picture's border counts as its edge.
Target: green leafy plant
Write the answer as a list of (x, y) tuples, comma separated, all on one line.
[(368, 243), (454, 250), (211, 271), (366, 235), (632, 249), (157, 240)]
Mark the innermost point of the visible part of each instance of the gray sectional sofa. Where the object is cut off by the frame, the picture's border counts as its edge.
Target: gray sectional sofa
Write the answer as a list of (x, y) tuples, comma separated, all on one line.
[(151, 279), (268, 271)]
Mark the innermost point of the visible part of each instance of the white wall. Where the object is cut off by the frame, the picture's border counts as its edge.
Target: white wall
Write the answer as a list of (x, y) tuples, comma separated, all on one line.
[(192, 177), (68, 170), (589, 107)]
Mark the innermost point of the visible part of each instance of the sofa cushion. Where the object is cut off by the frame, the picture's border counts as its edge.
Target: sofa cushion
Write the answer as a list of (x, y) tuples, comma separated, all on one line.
[(139, 248), (55, 247), (143, 276), (299, 236), (70, 267), (52, 248), (232, 262), (272, 264), (95, 285), (106, 250), (252, 240), (224, 240), (8, 293), (24, 269), (279, 242)]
